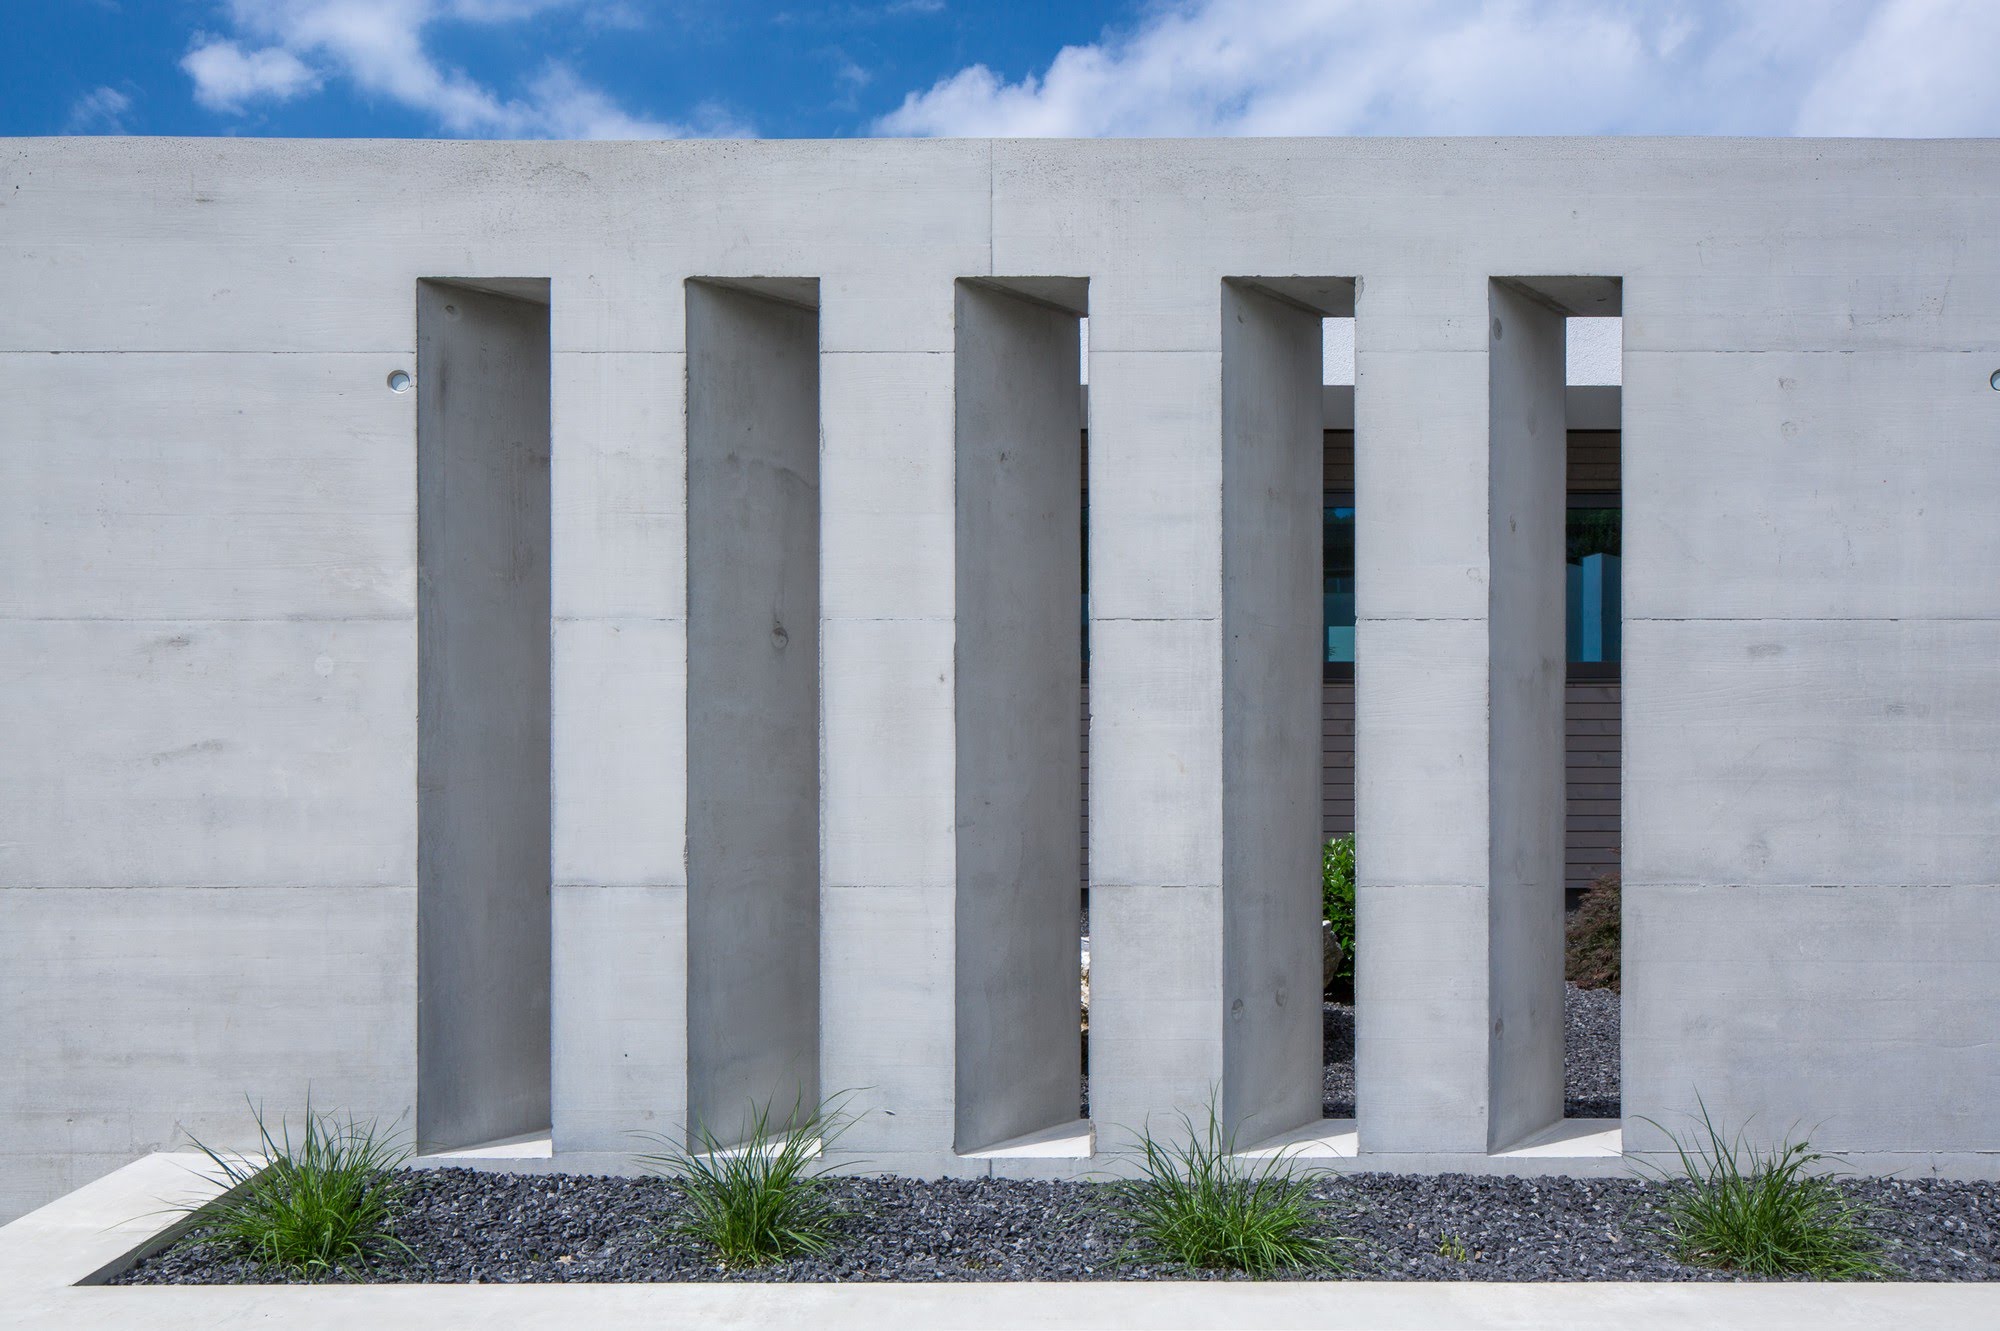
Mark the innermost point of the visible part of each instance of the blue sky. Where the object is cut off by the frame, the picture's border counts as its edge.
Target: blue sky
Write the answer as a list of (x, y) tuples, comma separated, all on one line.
[(792, 68)]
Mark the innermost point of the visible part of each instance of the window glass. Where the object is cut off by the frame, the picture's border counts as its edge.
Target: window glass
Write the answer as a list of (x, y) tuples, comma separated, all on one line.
[(1337, 593), (1592, 616), (1592, 609)]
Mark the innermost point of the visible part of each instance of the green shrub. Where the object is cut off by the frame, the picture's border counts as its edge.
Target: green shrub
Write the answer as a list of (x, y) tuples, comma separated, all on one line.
[(1197, 1205), (1592, 948), (1336, 895), (317, 1206), (761, 1201), (1769, 1213)]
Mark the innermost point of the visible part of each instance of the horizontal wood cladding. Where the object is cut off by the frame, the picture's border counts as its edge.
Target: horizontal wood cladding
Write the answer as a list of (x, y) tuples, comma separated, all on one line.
[(1083, 751), (1338, 458), (1590, 714), (1591, 773), (1593, 462)]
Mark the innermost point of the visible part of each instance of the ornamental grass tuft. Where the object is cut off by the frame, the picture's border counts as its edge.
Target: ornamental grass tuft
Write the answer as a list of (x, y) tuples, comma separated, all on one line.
[(1765, 1213), (319, 1206), (761, 1201), (1196, 1204)]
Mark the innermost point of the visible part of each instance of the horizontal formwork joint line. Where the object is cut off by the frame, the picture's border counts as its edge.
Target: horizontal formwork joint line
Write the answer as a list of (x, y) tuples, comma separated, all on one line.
[(410, 886), (405, 618), (1811, 619), (1884, 349), (1155, 619), (202, 351), (1151, 887), (593, 885), (1646, 885), (1404, 885)]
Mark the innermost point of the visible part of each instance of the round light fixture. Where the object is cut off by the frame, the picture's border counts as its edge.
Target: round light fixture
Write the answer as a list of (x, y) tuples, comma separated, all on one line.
[(399, 381)]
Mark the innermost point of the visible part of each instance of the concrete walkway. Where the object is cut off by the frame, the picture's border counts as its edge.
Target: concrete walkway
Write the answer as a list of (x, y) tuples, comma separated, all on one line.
[(94, 1231)]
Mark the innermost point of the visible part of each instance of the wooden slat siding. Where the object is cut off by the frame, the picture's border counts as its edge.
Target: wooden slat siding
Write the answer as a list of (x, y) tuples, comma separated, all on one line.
[(1083, 748), (1591, 709), (1592, 822), (1338, 457), (1336, 749), (1593, 461), (1592, 826)]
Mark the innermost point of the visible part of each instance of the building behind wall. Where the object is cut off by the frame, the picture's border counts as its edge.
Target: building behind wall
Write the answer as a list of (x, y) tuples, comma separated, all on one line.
[(1591, 694), (709, 409)]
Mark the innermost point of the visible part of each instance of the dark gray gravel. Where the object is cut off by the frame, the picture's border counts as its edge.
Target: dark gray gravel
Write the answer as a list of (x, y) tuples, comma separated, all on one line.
[(468, 1226), (1590, 1055)]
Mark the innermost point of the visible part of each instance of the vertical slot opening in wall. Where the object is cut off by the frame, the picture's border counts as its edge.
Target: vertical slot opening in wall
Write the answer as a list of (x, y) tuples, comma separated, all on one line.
[(1528, 651), (1019, 564), (483, 711), (1275, 643), (1083, 706), (1593, 538), (753, 701), (1337, 700)]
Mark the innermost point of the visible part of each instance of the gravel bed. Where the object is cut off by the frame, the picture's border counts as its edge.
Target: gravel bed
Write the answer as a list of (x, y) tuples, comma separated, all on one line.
[(479, 1227), (1590, 1055)]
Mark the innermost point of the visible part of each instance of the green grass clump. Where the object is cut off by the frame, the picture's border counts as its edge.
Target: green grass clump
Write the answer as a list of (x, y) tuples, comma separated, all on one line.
[(1196, 1204), (761, 1201), (1336, 898), (1766, 1213), (317, 1206)]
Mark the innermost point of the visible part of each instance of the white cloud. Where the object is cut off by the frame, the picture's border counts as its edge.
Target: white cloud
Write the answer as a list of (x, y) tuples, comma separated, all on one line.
[(99, 111), (226, 76), (1919, 67), (1199, 67), (380, 47)]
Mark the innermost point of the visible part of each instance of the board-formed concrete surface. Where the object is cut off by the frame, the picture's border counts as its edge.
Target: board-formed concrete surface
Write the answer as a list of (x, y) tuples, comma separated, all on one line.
[(210, 816)]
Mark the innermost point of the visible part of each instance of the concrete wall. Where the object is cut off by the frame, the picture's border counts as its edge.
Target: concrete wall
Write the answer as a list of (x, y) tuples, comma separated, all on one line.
[(1525, 673), (482, 715), (1812, 837), (208, 521), (753, 715), (618, 1065), (1020, 665), (1272, 445)]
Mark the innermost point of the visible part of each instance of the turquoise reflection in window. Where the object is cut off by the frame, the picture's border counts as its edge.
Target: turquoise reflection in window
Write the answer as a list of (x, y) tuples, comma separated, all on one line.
[(1592, 615), (1592, 606), (1337, 592)]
